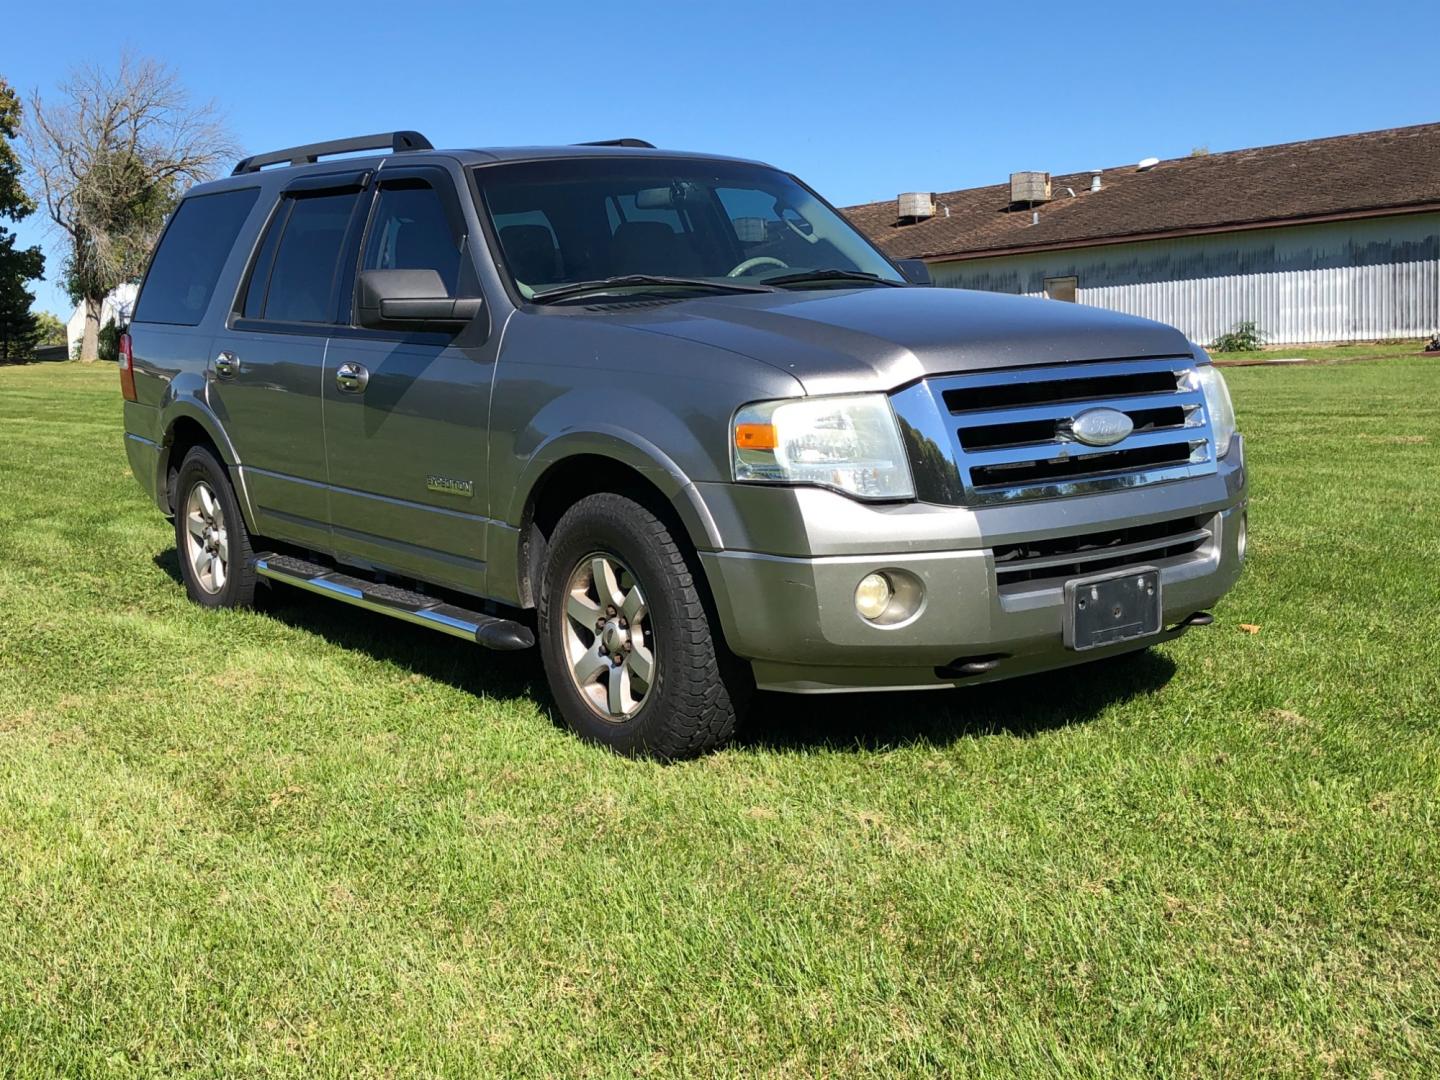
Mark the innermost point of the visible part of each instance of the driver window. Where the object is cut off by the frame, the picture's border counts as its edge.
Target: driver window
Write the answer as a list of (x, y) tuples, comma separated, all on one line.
[(411, 231)]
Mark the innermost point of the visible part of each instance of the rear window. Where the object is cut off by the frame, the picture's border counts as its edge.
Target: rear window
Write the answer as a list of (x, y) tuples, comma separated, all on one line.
[(192, 253), (295, 276)]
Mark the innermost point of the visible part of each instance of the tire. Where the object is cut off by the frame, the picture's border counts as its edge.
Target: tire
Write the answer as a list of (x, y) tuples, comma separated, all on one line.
[(675, 692), (211, 540)]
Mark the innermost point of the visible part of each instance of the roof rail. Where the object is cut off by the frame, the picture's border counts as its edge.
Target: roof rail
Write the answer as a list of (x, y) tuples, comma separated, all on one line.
[(394, 141), (639, 143)]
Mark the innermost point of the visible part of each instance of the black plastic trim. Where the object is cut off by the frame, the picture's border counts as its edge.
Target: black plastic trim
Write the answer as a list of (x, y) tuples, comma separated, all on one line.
[(395, 141), (639, 144), (330, 183)]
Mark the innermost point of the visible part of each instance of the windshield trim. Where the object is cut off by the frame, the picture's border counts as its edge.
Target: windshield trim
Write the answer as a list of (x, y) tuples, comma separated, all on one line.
[(579, 290), (501, 267)]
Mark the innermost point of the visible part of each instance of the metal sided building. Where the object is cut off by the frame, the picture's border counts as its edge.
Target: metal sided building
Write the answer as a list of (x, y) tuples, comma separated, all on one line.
[(1328, 240)]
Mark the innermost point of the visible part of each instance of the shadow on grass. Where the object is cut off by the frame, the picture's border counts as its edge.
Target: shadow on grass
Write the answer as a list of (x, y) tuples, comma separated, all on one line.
[(1024, 706), (467, 667), (1028, 705)]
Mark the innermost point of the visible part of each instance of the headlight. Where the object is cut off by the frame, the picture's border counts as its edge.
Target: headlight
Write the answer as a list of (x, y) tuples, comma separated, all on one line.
[(1218, 405), (851, 444)]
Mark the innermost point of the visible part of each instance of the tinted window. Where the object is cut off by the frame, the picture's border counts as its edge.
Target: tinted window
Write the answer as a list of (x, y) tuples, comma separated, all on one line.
[(410, 231), (192, 252), (265, 262), (630, 210), (586, 219), (529, 243), (302, 281)]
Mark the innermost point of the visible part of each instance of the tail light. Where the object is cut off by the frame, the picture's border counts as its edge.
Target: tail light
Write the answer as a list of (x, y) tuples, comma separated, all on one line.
[(127, 369)]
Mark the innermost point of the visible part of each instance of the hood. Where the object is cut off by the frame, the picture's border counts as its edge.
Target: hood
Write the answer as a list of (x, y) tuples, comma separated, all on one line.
[(848, 340)]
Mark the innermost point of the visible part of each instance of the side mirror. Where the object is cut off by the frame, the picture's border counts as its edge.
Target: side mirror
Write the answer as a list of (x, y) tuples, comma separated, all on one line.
[(411, 299), (915, 271)]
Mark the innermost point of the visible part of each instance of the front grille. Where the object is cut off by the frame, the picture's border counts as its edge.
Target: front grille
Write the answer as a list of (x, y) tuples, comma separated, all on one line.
[(1010, 430), (1055, 558)]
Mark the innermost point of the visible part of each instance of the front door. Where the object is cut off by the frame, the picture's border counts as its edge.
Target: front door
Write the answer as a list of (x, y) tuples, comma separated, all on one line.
[(406, 412), (268, 363)]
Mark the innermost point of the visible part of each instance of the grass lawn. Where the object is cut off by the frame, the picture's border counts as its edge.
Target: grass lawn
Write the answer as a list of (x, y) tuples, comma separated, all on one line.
[(307, 841), (1327, 354)]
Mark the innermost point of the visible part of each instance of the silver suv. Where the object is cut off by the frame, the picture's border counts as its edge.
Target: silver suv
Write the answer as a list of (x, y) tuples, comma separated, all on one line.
[(669, 417)]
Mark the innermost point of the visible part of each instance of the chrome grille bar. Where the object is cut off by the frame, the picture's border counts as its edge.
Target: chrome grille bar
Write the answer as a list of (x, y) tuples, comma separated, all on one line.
[(1007, 431), (1055, 452), (1061, 410)]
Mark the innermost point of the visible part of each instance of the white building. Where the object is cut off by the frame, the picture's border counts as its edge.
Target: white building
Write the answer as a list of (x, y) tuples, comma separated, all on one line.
[(117, 308), (1328, 240)]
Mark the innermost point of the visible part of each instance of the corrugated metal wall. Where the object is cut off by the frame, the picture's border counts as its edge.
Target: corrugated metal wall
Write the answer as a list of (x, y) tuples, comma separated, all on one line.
[(1341, 281)]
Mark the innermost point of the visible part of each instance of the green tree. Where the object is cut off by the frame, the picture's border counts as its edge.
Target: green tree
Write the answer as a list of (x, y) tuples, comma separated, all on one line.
[(18, 329), (108, 160), (50, 328)]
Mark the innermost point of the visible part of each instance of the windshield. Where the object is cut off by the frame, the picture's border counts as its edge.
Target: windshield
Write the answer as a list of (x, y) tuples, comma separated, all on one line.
[(588, 220)]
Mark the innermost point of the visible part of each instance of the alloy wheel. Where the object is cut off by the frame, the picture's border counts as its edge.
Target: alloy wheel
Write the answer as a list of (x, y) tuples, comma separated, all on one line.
[(609, 645), (208, 544)]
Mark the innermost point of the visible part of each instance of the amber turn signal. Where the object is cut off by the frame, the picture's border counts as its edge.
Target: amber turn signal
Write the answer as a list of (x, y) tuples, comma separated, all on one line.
[(755, 436)]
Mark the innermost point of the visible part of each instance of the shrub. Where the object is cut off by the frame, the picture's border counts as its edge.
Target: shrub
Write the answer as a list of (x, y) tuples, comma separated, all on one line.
[(1243, 337), (108, 342)]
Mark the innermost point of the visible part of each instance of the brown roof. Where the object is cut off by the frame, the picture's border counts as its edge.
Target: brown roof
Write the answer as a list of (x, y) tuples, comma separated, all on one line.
[(1375, 172)]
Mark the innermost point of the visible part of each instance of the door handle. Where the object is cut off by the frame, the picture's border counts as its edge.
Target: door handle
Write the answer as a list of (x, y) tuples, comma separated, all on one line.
[(351, 378), (227, 365)]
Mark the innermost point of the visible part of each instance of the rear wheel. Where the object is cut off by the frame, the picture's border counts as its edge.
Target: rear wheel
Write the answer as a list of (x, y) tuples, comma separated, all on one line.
[(630, 653), (210, 536)]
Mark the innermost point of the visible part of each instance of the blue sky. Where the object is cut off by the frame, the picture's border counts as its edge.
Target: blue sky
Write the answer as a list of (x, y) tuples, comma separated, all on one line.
[(863, 100)]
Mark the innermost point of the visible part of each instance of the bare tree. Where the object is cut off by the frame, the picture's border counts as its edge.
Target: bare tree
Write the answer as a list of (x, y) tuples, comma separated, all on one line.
[(108, 161)]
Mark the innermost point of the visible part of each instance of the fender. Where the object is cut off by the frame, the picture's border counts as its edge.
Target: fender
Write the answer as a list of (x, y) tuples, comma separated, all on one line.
[(188, 402), (628, 448)]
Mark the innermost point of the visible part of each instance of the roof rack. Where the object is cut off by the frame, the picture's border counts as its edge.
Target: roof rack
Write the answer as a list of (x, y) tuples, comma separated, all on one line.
[(638, 143), (395, 141)]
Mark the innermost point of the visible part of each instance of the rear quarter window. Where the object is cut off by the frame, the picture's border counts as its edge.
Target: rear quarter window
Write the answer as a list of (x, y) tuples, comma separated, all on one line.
[(183, 273)]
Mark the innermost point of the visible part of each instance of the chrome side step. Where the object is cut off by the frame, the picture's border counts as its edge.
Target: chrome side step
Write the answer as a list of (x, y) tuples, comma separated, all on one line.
[(406, 604)]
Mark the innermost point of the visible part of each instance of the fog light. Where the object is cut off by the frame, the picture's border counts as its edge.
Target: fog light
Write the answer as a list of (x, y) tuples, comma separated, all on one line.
[(1241, 534), (872, 596)]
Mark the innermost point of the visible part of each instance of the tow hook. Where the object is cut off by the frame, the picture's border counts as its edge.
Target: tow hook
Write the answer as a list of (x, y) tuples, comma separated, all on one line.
[(1199, 618), (969, 666)]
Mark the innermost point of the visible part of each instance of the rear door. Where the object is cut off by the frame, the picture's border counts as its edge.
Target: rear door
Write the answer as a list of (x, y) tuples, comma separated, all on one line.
[(268, 365), (406, 412)]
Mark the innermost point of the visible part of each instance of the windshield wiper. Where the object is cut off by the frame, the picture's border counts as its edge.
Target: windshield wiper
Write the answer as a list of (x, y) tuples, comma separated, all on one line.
[(803, 276), (627, 281)]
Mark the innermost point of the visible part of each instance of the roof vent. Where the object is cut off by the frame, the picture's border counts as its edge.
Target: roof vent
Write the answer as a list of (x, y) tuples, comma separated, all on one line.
[(1147, 163), (1029, 187), (1094, 179), (916, 205)]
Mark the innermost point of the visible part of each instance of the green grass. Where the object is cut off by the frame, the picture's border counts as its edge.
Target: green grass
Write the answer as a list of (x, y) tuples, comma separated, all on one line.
[(310, 842), (1329, 354)]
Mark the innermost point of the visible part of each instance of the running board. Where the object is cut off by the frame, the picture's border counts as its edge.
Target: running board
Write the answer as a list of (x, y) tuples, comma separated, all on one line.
[(406, 604)]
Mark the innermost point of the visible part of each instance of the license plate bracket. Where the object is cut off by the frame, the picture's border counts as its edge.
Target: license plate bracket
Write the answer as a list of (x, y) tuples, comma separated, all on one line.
[(1110, 608)]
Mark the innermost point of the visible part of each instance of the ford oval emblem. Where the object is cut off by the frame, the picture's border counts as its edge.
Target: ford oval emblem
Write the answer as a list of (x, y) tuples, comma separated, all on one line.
[(1099, 427)]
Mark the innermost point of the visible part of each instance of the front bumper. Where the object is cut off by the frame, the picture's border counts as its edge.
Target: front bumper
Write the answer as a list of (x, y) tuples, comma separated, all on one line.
[(792, 615)]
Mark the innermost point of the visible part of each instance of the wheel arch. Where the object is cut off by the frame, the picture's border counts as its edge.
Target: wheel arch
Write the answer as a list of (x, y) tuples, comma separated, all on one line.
[(576, 466), (186, 427)]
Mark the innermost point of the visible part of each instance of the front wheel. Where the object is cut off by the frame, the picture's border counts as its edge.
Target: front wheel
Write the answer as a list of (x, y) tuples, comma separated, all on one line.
[(630, 653)]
